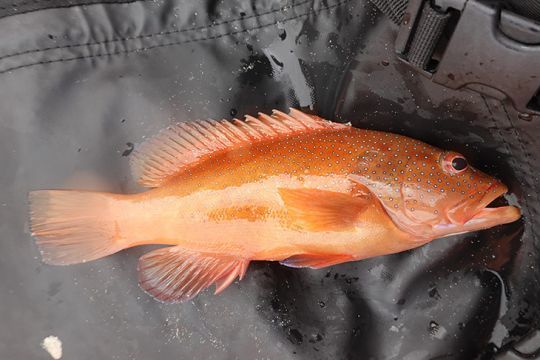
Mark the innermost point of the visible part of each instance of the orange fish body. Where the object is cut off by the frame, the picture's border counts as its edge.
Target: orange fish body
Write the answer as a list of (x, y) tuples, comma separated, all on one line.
[(236, 203), (293, 188)]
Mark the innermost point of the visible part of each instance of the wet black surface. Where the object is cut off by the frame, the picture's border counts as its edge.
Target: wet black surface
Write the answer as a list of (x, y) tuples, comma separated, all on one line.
[(113, 74)]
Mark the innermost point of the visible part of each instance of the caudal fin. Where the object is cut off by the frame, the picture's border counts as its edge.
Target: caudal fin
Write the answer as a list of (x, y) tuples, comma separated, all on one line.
[(74, 226)]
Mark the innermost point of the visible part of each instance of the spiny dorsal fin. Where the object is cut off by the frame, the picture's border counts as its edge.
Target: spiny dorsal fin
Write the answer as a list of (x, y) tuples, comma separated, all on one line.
[(180, 146)]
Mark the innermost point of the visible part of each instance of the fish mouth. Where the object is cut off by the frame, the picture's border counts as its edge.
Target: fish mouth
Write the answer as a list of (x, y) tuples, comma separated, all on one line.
[(489, 213)]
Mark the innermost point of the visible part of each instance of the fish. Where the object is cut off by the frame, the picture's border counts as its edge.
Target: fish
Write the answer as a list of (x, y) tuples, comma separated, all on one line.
[(289, 187)]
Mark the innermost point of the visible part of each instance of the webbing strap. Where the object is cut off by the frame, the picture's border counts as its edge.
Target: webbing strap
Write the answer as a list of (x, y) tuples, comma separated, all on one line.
[(430, 28), (394, 9), (514, 47), (527, 8)]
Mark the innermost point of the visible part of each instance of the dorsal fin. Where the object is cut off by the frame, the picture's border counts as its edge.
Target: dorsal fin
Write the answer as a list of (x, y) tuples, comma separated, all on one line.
[(180, 146)]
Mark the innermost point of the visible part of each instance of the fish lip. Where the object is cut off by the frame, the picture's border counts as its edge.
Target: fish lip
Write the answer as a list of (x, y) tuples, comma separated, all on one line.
[(494, 215), (469, 208), (484, 217), (493, 192), (490, 217)]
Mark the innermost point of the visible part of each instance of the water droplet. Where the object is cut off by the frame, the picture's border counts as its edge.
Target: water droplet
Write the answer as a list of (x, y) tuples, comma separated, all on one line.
[(525, 116)]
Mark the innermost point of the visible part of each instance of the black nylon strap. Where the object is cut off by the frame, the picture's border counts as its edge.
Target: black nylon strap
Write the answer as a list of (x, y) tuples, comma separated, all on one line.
[(394, 9), (527, 8), (430, 28)]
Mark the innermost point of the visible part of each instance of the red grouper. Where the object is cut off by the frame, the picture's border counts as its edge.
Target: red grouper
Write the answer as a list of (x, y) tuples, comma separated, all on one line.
[(293, 188)]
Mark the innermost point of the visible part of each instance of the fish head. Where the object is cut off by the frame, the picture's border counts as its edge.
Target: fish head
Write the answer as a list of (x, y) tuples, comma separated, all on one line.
[(428, 192)]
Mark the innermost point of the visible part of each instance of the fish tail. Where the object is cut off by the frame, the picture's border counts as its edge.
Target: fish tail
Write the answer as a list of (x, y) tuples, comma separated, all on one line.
[(73, 227)]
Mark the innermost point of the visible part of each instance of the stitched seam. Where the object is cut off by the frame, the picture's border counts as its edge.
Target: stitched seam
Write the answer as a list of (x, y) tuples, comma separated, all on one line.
[(29, 10), (24, 3), (173, 43), (145, 36)]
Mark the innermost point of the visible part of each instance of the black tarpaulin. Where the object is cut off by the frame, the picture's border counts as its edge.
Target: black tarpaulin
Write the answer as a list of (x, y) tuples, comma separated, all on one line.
[(80, 84)]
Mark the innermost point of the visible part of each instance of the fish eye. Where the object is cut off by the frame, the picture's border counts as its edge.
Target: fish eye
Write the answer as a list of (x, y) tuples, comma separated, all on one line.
[(459, 163), (453, 163)]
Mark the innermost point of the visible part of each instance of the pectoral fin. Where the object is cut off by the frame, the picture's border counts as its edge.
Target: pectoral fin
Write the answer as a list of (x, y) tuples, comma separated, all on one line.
[(321, 210)]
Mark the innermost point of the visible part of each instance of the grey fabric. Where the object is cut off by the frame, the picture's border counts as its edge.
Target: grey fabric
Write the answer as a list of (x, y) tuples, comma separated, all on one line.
[(80, 85)]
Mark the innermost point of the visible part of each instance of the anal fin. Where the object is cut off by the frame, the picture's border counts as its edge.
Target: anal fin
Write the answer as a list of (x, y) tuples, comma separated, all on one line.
[(174, 274)]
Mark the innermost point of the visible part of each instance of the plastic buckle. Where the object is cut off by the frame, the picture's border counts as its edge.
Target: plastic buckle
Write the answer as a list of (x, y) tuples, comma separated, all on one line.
[(479, 55)]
